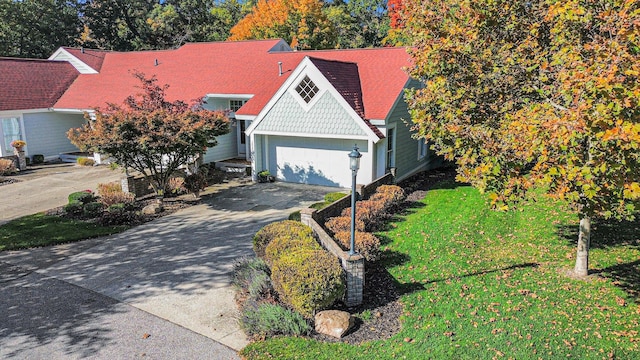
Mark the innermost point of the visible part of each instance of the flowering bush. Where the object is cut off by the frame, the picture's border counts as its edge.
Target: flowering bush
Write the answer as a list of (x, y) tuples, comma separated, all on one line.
[(18, 144)]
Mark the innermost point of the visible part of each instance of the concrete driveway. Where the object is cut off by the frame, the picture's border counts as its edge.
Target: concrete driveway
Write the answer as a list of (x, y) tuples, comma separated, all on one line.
[(45, 187), (161, 290)]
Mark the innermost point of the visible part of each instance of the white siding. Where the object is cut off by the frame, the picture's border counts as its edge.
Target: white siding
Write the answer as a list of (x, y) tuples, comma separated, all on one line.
[(46, 133)]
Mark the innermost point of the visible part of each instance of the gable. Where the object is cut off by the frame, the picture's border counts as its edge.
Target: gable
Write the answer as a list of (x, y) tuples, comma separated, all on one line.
[(326, 118)]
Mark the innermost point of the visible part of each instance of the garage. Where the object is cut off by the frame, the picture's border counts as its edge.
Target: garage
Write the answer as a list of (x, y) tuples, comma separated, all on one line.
[(314, 161)]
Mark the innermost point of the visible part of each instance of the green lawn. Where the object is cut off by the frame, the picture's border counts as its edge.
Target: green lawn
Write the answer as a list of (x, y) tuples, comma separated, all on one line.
[(42, 230), (480, 284)]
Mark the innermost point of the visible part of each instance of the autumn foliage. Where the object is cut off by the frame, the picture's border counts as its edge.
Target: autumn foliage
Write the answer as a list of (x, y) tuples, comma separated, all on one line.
[(149, 133), (530, 94), (301, 23)]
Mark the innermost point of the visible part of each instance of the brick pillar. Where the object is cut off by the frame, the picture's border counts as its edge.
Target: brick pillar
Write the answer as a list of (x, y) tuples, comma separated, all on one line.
[(354, 268), (128, 184)]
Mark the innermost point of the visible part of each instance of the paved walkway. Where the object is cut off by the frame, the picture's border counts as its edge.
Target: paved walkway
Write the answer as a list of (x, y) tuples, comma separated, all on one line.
[(169, 278), (45, 187)]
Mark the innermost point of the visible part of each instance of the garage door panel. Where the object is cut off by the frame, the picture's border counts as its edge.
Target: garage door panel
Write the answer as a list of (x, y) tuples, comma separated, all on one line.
[(311, 161)]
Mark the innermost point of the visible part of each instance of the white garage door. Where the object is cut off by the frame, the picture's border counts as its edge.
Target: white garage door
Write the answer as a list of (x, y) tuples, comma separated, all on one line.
[(311, 161)]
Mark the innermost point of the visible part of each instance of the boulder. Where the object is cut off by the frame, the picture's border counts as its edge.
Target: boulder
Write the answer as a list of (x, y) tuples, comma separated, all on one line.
[(153, 208), (334, 323)]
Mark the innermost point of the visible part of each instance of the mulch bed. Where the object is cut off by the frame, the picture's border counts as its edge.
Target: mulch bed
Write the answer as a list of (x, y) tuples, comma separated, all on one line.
[(381, 294)]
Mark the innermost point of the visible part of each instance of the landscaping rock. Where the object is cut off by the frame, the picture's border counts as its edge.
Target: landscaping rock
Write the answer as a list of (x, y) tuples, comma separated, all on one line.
[(151, 209), (334, 323)]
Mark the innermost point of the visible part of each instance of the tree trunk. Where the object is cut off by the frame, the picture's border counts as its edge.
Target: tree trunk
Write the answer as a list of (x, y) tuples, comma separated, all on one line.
[(584, 237)]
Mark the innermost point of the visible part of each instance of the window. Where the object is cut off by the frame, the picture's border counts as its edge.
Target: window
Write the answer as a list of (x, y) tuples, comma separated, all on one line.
[(10, 131), (307, 89), (390, 147), (422, 149), (243, 134), (235, 105)]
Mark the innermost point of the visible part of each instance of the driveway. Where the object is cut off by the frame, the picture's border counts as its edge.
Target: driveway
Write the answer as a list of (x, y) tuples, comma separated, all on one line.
[(45, 187), (161, 290)]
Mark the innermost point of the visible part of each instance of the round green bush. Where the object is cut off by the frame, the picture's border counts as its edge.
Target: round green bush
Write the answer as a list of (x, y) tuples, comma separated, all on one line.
[(308, 280), (265, 235), (92, 209), (82, 197), (287, 243)]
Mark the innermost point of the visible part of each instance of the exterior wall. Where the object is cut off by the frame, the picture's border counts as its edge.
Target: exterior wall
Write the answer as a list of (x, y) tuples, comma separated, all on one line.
[(46, 133), (406, 151), (227, 147)]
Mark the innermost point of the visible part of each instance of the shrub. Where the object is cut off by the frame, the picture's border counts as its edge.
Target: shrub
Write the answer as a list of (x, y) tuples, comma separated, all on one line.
[(73, 208), (251, 276), (266, 320), (176, 186), (308, 280), (7, 167), (343, 223), (333, 197), (287, 243), (82, 197), (371, 212), (85, 161), (38, 159), (391, 195), (367, 244), (92, 209), (111, 193), (195, 182), (262, 238), (120, 214)]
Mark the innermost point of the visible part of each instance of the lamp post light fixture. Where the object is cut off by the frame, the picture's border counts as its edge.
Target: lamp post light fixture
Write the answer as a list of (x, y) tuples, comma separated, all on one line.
[(354, 164)]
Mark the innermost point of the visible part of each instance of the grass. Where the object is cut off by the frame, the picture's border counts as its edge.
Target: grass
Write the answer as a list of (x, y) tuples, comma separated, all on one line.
[(480, 284), (42, 230)]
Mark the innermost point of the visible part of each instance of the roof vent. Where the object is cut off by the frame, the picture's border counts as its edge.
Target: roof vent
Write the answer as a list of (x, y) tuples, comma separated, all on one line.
[(82, 50), (279, 68), (156, 62)]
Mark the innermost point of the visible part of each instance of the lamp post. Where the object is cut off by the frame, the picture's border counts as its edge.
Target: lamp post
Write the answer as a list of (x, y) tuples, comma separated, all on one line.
[(354, 164)]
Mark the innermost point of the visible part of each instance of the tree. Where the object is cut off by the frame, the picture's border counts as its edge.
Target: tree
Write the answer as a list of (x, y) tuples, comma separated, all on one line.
[(359, 23), (35, 28), (397, 36), (534, 94), (150, 134), (302, 24)]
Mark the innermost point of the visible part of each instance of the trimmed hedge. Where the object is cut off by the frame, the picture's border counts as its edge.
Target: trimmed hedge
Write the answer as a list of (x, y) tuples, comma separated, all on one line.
[(271, 231), (284, 244), (367, 244), (308, 280), (343, 223)]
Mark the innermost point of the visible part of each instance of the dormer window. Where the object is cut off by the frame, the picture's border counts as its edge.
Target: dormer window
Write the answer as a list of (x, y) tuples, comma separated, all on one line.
[(307, 89), (235, 105)]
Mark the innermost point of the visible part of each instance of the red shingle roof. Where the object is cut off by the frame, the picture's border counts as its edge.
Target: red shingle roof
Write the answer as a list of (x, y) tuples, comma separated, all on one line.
[(243, 67), (33, 84)]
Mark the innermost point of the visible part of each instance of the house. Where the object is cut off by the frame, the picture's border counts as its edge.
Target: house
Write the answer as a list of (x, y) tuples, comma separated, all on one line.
[(28, 92), (296, 114)]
